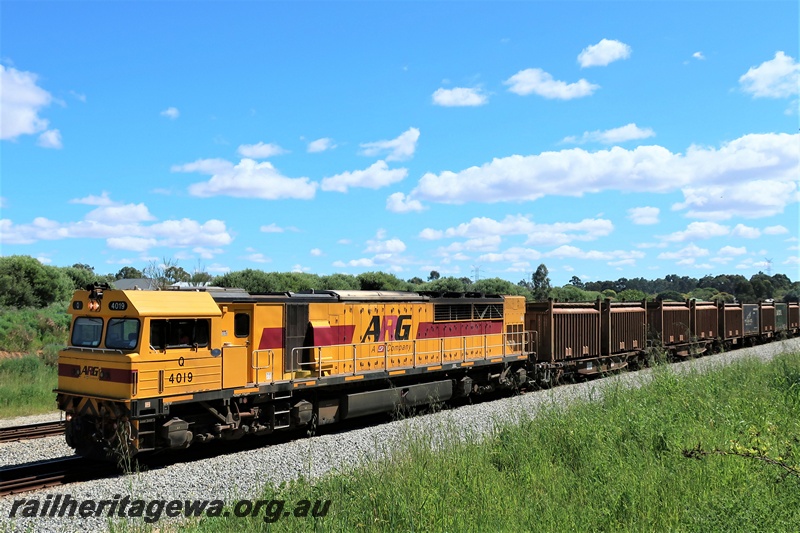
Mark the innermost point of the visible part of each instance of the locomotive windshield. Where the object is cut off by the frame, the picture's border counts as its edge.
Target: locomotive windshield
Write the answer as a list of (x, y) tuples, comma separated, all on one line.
[(87, 332), (123, 333)]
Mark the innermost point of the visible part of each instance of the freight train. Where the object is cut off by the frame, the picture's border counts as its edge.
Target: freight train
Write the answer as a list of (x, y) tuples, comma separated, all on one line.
[(147, 371)]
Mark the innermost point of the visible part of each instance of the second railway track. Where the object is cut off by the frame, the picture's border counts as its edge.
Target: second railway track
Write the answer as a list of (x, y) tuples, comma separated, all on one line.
[(31, 431), (50, 473)]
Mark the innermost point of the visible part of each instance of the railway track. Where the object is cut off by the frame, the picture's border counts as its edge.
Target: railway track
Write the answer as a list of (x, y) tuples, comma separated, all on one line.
[(50, 473), (31, 431)]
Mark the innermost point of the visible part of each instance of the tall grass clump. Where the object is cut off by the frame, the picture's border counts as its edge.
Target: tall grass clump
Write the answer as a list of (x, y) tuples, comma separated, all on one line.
[(26, 386), (31, 330), (616, 464)]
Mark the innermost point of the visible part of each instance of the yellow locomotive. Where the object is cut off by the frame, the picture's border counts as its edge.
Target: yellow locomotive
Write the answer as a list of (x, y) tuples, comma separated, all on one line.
[(153, 370)]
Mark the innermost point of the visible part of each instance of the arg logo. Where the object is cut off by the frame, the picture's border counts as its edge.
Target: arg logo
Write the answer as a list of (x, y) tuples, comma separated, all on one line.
[(388, 328)]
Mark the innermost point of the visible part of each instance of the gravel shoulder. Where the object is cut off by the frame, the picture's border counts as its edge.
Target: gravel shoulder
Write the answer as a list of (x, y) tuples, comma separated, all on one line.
[(244, 474)]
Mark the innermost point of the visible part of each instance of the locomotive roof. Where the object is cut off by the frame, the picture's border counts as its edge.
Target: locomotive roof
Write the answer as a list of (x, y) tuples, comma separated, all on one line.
[(239, 295), (154, 303)]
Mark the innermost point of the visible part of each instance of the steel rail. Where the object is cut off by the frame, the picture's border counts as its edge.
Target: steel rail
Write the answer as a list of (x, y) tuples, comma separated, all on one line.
[(32, 431)]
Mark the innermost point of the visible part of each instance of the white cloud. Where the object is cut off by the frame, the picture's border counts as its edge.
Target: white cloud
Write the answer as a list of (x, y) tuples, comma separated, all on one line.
[(459, 97), (3, 202), (316, 252), (272, 228), (133, 244), (512, 255), (558, 233), (300, 268), (376, 176), (775, 230), (257, 258), (216, 268), (381, 246), (480, 244), (605, 52), (248, 179), (400, 148), (698, 55), (535, 80), (643, 215), (399, 203), (430, 234), (321, 145), (21, 101), (629, 132), (690, 251), (171, 113), (103, 199), (731, 251), (740, 230), (207, 253), (50, 139), (130, 213), (697, 231), (364, 263), (777, 78), (260, 150), (595, 255), (123, 228), (752, 176)]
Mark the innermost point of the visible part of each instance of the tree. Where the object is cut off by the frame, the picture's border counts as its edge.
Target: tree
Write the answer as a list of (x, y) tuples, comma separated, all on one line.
[(249, 280), (381, 281), (631, 295), (707, 294), (128, 272), (575, 281), (341, 282), (80, 277), (446, 284), (570, 293), (541, 283), (670, 295), (499, 286), (176, 274), (165, 273), (433, 276), (25, 282)]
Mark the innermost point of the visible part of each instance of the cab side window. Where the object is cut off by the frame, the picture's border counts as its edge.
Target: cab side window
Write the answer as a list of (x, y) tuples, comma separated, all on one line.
[(179, 333), (241, 325)]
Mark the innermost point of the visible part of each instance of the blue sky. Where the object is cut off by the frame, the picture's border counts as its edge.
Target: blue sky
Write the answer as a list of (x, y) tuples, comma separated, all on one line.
[(604, 139)]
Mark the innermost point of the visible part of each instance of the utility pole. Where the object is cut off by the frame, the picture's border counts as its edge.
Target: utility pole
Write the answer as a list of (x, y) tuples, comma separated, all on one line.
[(476, 273), (769, 266)]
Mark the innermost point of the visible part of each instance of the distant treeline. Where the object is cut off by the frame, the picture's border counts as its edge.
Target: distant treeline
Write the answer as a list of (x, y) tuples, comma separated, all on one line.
[(27, 283)]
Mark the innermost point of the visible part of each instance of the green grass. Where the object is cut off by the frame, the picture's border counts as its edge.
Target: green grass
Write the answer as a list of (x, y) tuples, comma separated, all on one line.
[(31, 330), (26, 386), (612, 465)]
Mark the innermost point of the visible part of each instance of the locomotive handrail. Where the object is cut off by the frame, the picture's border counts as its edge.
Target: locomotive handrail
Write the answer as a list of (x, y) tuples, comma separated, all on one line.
[(99, 350), (514, 342), (256, 368)]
